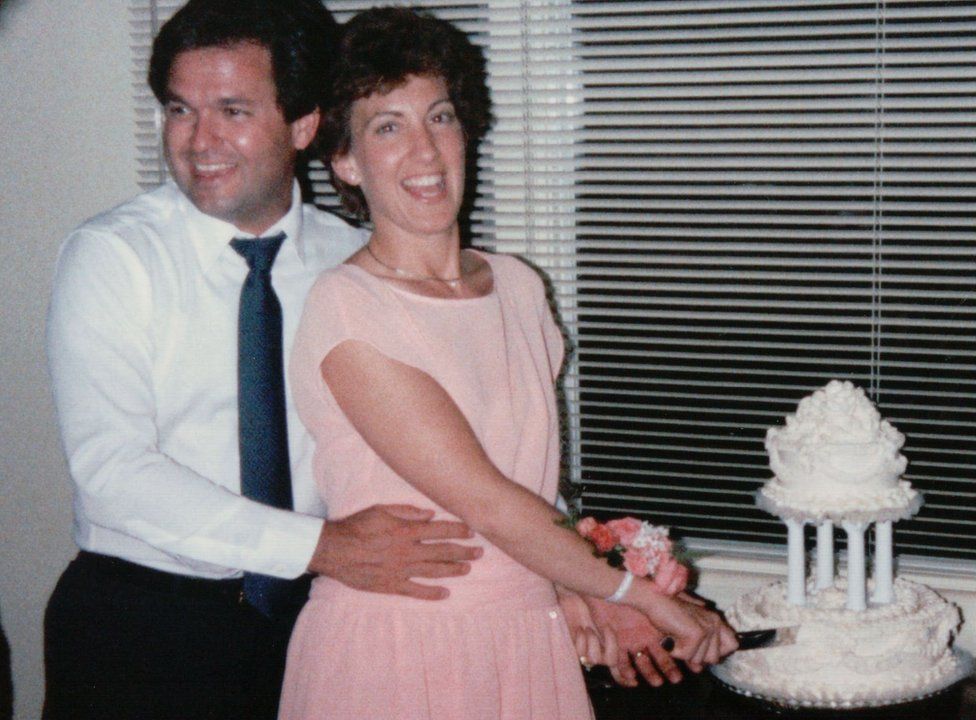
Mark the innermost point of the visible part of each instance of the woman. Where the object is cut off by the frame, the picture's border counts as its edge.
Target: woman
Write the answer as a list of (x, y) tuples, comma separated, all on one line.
[(425, 374)]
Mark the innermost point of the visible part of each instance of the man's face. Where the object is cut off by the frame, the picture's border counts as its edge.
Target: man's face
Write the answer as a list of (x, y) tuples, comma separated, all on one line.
[(227, 144)]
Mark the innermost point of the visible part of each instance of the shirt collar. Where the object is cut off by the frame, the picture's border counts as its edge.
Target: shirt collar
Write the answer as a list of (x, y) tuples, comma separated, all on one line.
[(211, 236)]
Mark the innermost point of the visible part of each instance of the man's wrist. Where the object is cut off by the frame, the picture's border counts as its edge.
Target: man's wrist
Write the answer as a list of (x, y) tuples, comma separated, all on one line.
[(286, 544), (314, 564)]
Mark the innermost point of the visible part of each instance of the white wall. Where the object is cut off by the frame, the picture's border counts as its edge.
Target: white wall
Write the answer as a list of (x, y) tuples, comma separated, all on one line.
[(66, 152)]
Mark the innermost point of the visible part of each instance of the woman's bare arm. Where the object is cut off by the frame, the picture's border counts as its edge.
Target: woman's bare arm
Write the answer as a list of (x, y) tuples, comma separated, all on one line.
[(416, 428)]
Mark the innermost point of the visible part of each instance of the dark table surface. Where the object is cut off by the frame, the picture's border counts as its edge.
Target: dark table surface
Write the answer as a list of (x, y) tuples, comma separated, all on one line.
[(701, 696)]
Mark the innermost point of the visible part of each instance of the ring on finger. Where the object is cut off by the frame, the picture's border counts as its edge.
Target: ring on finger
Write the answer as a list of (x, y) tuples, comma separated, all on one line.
[(585, 662), (639, 654)]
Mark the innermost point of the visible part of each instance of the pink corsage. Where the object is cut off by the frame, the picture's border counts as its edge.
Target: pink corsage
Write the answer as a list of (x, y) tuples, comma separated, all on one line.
[(639, 547)]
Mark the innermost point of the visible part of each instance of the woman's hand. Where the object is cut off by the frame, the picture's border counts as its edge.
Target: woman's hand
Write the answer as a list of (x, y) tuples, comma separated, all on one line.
[(671, 577), (593, 645), (638, 643), (701, 637)]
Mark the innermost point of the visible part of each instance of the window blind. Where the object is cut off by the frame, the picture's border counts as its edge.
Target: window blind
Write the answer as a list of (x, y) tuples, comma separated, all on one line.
[(772, 195), (736, 201), (145, 19)]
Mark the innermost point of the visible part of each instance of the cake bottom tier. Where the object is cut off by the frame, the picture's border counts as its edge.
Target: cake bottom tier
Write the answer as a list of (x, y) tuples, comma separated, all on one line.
[(844, 659)]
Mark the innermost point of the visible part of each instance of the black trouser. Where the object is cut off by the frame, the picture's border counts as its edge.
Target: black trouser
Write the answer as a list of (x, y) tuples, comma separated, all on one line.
[(123, 641)]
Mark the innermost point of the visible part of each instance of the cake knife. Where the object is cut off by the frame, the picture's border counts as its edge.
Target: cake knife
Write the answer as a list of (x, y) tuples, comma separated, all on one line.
[(753, 639), (766, 637)]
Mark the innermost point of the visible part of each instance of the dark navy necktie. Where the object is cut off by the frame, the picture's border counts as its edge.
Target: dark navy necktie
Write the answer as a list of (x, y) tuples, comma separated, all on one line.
[(263, 431)]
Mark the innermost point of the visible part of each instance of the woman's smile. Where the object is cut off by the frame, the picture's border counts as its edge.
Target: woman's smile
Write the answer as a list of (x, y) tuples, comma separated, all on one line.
[(407, 157)]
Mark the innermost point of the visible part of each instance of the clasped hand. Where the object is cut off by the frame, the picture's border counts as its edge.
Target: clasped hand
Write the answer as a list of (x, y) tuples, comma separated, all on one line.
[(628, 642)]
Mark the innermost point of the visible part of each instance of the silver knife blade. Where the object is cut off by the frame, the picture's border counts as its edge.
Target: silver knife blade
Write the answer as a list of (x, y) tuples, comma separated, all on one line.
[(766, 637)]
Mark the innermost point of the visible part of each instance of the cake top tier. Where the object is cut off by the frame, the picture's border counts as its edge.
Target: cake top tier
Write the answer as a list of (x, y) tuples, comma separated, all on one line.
[(837, 459)]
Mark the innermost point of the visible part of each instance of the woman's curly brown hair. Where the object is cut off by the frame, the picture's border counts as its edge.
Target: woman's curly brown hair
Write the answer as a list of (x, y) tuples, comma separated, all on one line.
[(378, 50)]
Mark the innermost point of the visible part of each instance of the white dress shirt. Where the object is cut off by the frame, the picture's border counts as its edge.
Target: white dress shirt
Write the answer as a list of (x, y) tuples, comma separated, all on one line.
[(142, 347)]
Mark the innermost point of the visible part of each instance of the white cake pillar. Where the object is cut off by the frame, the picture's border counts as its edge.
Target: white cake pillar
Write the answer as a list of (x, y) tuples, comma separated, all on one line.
[(883, 566), (825, 555), (856, 587), (796, 571)]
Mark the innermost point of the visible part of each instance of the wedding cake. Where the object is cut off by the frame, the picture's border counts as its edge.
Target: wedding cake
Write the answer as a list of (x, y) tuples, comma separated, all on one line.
[(858, 641)]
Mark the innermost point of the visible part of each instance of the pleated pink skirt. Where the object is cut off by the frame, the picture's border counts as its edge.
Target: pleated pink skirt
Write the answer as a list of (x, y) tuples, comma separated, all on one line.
[(358, 656)]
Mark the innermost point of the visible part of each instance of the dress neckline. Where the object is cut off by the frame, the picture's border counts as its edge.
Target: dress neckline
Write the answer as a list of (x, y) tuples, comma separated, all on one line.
[(399, 290)]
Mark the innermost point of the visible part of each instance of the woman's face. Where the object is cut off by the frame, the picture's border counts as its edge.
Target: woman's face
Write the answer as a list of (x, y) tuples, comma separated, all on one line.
[(407, 156)]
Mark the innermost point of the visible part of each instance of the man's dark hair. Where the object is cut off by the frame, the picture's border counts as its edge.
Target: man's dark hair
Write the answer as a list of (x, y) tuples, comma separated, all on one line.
[(379, 49), (299, 34)]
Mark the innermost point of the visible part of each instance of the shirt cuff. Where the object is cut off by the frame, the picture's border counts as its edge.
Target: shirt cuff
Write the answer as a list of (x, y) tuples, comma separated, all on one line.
[(288, 543)]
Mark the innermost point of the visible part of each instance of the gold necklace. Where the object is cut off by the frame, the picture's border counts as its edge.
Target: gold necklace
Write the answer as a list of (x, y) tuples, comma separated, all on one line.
[(451, 282)]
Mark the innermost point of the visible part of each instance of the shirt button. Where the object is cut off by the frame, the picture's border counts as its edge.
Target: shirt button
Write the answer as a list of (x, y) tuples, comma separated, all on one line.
[(553, 614)]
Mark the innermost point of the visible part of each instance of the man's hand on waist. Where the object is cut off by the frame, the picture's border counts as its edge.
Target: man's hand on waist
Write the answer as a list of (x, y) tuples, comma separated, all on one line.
[(382, 548)]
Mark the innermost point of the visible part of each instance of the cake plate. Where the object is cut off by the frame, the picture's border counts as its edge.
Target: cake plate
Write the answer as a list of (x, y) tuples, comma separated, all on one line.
[(942, 702)]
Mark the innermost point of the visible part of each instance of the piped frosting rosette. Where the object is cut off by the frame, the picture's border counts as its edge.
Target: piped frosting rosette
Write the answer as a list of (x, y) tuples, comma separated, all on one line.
[(836, 459)]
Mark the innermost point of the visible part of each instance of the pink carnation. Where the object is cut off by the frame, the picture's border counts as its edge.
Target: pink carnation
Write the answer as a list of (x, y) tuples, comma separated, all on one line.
[(671, 577), (585, 526), (646, 550), (626, 529), (636, 562), (604, 538)]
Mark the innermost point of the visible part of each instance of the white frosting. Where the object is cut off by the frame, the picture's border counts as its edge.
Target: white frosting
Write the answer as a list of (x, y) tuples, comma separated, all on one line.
[(837, 459), (883, 655)]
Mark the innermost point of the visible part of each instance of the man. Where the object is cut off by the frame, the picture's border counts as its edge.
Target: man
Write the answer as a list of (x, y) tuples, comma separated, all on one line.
[(174, 607)]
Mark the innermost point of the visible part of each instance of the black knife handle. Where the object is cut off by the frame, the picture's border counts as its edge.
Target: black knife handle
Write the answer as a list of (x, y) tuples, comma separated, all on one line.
[(752, 639)]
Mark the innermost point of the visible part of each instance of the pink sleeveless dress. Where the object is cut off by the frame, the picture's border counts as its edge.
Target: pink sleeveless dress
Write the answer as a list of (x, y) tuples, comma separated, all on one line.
[(498, 647)]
